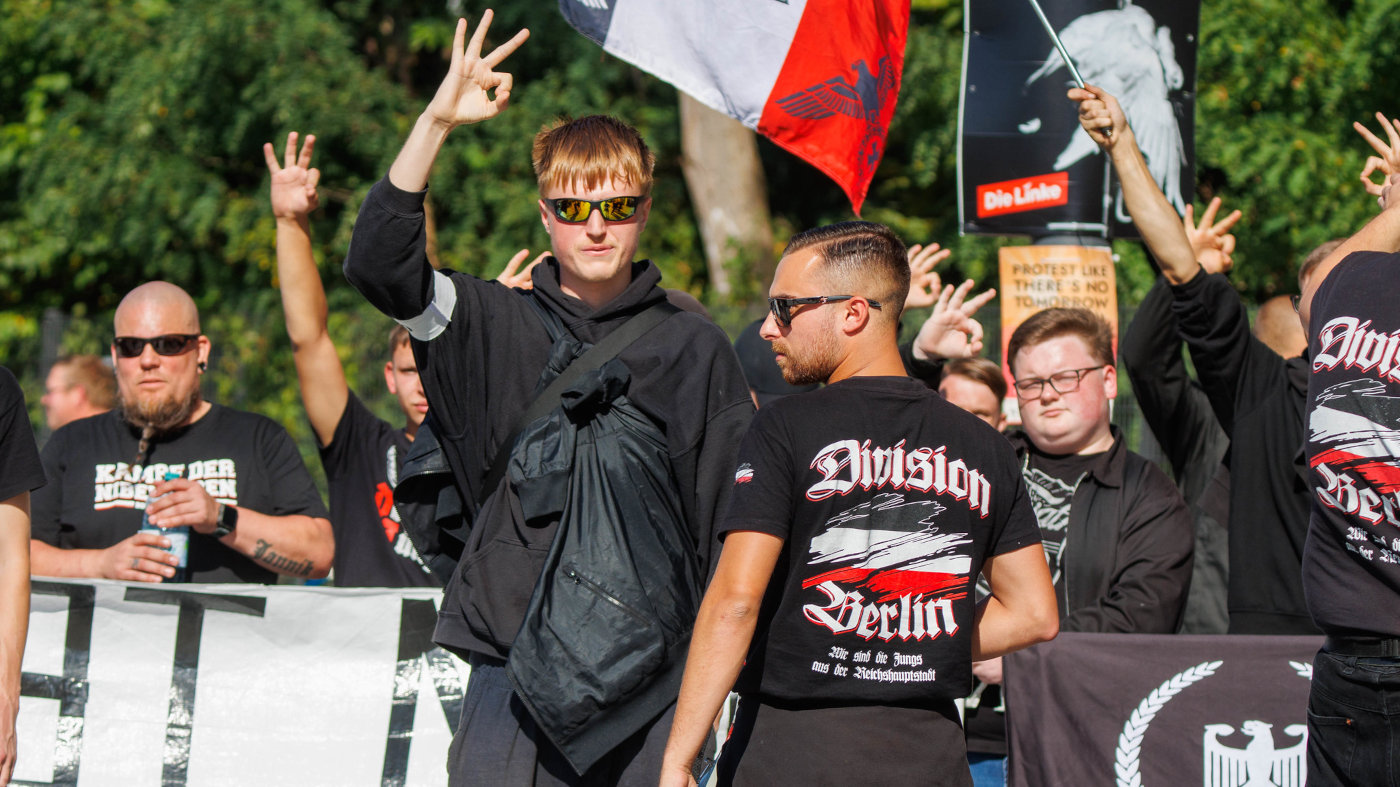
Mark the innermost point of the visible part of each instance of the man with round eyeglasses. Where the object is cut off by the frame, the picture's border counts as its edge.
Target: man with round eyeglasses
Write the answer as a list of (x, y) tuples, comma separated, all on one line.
[(1117, 534), (240, 489), (481, 349)]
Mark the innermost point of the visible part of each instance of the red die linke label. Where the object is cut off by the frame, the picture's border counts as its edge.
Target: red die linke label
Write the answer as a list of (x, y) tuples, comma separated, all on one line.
[(1022, 194)]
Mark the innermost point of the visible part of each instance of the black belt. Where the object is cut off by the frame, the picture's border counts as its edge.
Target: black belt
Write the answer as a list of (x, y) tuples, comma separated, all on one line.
[(1366, 647)]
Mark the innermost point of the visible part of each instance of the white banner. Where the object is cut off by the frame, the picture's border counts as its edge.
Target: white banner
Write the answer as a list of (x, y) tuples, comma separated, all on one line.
[(234, 685)]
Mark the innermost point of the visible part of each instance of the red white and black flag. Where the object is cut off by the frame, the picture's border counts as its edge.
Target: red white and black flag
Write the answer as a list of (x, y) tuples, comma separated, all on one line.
[(818, 77), (1144, 710), (1024, 165)]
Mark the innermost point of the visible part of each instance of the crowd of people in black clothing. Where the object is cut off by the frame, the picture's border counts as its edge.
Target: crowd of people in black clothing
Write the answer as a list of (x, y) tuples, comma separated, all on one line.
[(630, 518)]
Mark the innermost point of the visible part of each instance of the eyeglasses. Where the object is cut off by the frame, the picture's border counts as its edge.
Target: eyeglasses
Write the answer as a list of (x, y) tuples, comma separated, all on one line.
[(167, 344), (577, 211), (1062, 382), (782, 307)]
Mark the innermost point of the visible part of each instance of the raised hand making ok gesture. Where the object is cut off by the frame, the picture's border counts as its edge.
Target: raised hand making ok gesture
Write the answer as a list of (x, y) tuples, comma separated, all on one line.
[(472, 91), (465, 93)]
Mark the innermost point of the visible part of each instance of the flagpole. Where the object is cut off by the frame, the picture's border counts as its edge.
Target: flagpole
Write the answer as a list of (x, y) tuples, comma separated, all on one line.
[(1064, 53), (1059, 46)]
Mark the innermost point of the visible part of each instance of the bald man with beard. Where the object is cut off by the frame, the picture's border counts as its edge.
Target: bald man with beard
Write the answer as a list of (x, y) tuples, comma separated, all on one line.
[(243, 492)]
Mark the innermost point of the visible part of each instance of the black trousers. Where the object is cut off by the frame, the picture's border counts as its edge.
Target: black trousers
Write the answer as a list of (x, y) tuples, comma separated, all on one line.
[(497, 743), (1354, 717), (857, 745)]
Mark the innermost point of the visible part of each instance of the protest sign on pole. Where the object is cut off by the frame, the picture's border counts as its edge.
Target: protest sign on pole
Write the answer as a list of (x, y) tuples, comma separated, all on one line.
[(1024, 165), (1034, 278)]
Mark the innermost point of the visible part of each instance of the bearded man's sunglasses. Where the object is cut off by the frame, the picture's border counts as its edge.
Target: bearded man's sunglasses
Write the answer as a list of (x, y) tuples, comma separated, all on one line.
[(166, 344), (782, 307), (577, 211)]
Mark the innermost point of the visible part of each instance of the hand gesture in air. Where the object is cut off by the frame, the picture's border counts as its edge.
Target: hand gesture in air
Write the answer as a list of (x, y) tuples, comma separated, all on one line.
[(294, 182), (465, 95)]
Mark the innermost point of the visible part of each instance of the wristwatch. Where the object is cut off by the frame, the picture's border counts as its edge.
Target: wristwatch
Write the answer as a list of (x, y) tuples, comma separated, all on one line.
[(228, 521)]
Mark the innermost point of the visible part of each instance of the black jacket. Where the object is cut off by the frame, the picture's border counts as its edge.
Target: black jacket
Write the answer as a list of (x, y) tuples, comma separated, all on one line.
[(1178, 411), (1258, 398), (481, 372), (1128, 569), (1131, 540)]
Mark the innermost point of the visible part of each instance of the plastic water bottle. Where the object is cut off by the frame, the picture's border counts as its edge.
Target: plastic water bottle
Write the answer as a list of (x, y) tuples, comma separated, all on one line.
[(179, 540)]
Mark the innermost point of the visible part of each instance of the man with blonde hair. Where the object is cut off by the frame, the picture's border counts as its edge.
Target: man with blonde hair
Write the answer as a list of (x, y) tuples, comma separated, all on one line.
[(482, 349), (78, 386)]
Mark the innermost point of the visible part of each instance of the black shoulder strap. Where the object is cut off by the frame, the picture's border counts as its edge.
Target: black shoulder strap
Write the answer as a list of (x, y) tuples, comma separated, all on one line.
[(597, 355)]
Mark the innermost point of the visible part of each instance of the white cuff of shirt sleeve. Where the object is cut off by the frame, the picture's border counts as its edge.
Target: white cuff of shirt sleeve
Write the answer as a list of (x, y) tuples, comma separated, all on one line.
[(433, 321)]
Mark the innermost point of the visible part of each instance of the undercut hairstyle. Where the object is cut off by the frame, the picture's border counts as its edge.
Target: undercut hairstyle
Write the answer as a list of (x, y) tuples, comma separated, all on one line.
[(584, 153), (398, 337), (979, 370), (1050, 324), (1315, 258), (93, 376), (860, 258)]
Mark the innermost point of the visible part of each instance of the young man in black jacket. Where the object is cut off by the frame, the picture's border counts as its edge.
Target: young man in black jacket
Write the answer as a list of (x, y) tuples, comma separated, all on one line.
[(1257, 397), (481, 348), (1116, 532)]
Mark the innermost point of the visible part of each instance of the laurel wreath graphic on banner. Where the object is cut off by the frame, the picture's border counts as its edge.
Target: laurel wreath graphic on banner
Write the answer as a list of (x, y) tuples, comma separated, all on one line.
[(1129, 750), (1130, 740)]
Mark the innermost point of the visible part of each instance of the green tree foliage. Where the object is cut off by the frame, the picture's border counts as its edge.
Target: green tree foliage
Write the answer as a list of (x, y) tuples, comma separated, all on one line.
[(130, 137), (1279, 86)]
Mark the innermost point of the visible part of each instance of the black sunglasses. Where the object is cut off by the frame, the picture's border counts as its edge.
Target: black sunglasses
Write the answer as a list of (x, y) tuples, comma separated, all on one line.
[(577, 211), (167, 344), (782, 307)]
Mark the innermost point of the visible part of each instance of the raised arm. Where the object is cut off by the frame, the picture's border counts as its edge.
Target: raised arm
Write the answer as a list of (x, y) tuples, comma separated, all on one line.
[(1152, 213), (1383, 232), (464, 97), (387, 261), (324, 391)]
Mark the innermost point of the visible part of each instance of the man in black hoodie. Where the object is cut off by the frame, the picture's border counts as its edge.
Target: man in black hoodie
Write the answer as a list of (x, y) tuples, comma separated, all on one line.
[(480, 348)]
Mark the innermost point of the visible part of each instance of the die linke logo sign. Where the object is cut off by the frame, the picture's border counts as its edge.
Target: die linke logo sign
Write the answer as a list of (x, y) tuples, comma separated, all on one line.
[(1023, 194)]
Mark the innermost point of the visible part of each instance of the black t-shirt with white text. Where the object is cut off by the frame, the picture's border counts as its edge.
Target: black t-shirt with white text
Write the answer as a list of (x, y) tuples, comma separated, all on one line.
[(889, 500), (95, 495), (362, 464), (1351, 560)]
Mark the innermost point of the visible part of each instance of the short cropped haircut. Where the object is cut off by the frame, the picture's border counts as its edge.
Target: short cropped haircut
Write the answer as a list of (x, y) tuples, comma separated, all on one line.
[(584, 153), (93, 376), (860, 258), (1315, 258), (398, 337), (978, 370), (1050, 324)]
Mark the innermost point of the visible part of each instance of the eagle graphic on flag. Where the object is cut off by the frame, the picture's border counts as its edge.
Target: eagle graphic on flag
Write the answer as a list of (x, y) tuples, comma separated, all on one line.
[(820, 78)]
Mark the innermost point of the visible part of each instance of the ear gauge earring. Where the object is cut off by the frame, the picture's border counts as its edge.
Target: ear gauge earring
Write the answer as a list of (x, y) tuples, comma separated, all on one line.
[(202, 367)]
